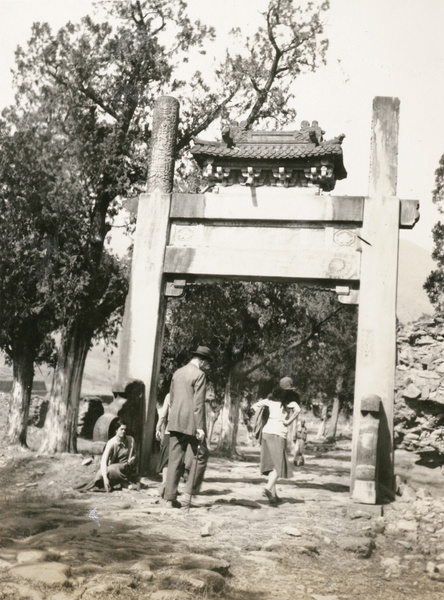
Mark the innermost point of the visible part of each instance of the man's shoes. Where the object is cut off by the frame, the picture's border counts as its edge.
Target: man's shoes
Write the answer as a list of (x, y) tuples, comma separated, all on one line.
[(173, 504), (272, 500)]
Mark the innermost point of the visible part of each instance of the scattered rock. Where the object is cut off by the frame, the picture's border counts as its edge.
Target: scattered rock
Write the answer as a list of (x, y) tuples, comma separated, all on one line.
[(361, 546), (49, 573), (31, 556), (194, 580), (19, 591), (431, 567), (202, 561), (207, 530), (292, 531)]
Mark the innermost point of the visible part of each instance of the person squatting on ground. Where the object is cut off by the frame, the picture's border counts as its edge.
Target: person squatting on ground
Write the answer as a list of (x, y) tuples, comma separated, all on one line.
[(117, 467), (163, 436), (186, 426), (283, 410)]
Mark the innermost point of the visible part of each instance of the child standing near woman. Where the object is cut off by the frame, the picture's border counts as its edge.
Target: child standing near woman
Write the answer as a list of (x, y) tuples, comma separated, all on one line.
[(283, 410)]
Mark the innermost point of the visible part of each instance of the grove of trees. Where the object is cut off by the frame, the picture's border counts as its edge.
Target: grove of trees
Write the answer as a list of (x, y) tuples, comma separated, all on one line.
[(74, 146), (260, 332)]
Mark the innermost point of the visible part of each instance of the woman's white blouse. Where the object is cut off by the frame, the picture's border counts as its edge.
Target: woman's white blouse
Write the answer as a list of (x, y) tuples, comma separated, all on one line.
[(278, 414)]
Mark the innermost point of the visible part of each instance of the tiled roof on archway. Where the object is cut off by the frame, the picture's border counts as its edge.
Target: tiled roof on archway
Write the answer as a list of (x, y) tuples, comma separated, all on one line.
[(304, 150)]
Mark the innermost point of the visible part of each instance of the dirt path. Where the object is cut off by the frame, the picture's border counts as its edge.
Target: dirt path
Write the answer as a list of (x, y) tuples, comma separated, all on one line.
[(57, 544)]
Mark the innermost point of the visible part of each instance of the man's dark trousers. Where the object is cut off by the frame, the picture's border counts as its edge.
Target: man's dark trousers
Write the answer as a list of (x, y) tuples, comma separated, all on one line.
[(179, 443)]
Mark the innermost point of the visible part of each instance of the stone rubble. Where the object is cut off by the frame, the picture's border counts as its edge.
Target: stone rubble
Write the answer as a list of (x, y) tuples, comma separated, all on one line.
[(419, 388)]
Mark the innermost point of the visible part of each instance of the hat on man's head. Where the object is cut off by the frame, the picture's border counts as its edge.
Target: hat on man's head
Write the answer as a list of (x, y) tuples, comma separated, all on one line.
[(203, 352), (286, 383)]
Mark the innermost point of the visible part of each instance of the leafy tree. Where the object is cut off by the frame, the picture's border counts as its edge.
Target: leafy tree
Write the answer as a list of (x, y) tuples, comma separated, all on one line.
[(43, 262), (434, 284), (326, 366), (98, 81), (26, 311)]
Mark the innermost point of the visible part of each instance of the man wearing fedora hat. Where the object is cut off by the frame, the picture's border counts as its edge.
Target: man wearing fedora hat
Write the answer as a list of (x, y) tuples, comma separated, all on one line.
[(186, 426)]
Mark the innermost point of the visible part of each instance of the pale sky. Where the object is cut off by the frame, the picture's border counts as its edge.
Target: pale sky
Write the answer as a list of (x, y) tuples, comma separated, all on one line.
[(385, 48)]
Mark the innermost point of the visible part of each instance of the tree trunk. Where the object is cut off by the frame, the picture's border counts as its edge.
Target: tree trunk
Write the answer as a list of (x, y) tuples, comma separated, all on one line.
[(323, 424), (230, 415), (336, 409), (213, 412), (334, 419), (61, 421), (23, 376)]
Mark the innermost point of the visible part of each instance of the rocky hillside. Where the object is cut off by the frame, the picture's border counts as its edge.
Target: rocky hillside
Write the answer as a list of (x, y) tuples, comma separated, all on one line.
[(419, 404)]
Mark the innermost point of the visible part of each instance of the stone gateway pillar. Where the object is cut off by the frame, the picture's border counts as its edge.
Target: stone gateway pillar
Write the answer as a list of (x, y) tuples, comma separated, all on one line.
[(376, 344), (143, 324)]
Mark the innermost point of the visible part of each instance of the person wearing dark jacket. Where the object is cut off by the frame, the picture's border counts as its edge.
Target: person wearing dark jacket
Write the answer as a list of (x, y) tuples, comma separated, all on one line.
[(187, 426)]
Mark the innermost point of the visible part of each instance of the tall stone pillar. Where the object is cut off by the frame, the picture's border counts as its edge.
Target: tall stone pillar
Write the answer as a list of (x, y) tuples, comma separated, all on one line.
[(143, 324), (376, 344)]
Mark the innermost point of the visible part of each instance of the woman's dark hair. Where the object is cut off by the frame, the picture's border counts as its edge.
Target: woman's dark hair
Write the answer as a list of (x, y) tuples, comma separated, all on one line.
[(116, 424), (283, 396), (277, 394)]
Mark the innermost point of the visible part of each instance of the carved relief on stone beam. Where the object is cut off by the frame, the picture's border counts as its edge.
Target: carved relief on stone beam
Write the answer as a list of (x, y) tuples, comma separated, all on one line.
[(344, 237)]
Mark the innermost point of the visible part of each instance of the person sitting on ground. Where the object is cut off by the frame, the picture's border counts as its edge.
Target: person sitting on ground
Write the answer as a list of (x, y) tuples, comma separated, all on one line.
[(117, 467), (283, 410)]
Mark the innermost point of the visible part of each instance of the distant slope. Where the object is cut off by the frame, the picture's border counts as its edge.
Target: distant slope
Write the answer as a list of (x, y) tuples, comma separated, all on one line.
[(415, 264)]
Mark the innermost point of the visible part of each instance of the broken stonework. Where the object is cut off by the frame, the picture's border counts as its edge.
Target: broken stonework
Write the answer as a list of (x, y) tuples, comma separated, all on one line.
[(419, 389)]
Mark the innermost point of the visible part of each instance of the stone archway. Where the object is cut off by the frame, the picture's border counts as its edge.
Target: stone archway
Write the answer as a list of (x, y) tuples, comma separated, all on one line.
[(265, 225)]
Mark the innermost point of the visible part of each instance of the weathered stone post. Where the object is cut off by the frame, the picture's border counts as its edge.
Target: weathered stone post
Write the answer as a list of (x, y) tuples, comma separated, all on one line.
[(367, 450), (143, 325), (376, 345)]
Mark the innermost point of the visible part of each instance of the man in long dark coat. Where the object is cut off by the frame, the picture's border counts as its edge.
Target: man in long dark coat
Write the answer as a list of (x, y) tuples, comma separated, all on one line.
[(187, 426)]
